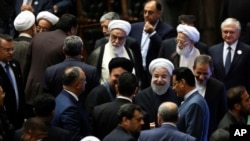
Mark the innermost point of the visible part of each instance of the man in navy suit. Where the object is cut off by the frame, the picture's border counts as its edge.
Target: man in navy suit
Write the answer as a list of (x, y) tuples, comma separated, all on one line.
[(167, 117), (130, 121), (69, 114), (11, 75), (238, 72), (73, 46), (150, 34), (211, 89), (194, 112), (104, 118)]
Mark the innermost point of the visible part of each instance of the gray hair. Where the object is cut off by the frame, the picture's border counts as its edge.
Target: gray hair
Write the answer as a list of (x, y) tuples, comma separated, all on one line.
[(110, 16), (231, 21), (73, 45)]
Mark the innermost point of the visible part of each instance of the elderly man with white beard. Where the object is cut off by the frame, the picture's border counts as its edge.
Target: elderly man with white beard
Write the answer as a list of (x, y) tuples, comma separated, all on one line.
[(160, 91), (100, 57), (185, 51)]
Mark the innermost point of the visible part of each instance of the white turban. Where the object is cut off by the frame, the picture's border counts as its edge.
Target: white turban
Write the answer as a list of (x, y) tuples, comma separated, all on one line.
[(90, 138), (161, 63), (120, 24), (24, 21), (53, 19), (192, 33)]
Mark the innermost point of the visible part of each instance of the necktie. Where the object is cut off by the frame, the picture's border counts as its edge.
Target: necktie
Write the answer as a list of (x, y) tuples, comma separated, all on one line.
[(8, 74), (228, 60)]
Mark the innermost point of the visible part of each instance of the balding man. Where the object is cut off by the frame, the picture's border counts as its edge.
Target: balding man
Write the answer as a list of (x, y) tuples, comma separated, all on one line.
[(68, 113), (168, 115), (159, 91)]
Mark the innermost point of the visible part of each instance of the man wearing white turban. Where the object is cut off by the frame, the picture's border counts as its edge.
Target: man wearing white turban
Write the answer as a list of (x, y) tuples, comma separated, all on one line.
[(187, 36), (24, 23), (101, 56), (159, 91), (45, 21)]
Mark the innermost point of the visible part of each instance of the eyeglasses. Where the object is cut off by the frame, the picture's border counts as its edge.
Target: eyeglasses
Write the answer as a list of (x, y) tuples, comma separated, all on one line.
[(181, 41), (38, 27), (8, 49)]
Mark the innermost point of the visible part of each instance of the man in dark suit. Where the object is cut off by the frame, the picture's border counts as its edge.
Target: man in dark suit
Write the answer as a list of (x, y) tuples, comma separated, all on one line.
[(168, 47), (194, 112), (44, 106), (13, 83), (211, 89), (104, 118), (130, 120), (106, 92), (150, 34), (238, 108), (167, 116), (50, 45), (37, 5), (238, 54), (73, 46), (159, 91), (68, 113)]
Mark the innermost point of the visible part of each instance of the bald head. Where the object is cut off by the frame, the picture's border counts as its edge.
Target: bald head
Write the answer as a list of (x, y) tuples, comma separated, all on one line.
[(168, 112)]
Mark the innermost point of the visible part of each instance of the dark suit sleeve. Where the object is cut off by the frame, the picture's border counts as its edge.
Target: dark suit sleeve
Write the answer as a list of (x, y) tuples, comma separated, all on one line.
[(71, 121)]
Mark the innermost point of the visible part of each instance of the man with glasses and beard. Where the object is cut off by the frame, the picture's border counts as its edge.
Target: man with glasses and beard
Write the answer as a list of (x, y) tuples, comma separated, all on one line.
[(185, 52), (159, 91)]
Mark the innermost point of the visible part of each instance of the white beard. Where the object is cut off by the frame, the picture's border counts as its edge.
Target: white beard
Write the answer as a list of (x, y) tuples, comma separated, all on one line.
[(185, 51), (160, 89), (116, 49)]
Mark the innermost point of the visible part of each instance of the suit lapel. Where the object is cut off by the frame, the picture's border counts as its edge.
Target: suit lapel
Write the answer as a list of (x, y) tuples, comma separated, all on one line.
[(236, 57)]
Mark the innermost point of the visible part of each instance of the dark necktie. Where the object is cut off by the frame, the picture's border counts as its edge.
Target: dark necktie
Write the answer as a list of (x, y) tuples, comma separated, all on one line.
[(228, 60), (8, 74)]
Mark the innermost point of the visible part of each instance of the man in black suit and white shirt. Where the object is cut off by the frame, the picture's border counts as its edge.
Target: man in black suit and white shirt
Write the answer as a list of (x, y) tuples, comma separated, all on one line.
[(10, 72)]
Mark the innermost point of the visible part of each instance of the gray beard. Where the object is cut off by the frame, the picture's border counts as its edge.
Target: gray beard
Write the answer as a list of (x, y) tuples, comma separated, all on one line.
[(185, 51), (160, 89)]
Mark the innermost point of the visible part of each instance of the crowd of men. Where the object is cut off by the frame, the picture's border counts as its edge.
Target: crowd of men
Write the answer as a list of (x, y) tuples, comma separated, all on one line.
[(144, 81)]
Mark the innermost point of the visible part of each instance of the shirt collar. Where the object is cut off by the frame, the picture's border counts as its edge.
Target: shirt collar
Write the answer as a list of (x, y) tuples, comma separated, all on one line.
[(189, 93), (74, 95)]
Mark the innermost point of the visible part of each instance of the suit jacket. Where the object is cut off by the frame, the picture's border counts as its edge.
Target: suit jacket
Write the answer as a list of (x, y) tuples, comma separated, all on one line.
[(168, 50), (54, 134), (70, 115), (38, 5), (166, 132), (48, 46), (104, 117), (10, 97), (194, 117), (163, 31), (119, 134), (99, 95), (215, 96), (149, 102), (238, 73), (54, 73), (228, 120)]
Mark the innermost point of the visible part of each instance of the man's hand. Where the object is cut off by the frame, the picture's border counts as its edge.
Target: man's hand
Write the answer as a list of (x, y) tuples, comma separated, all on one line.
[(148, 28)]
